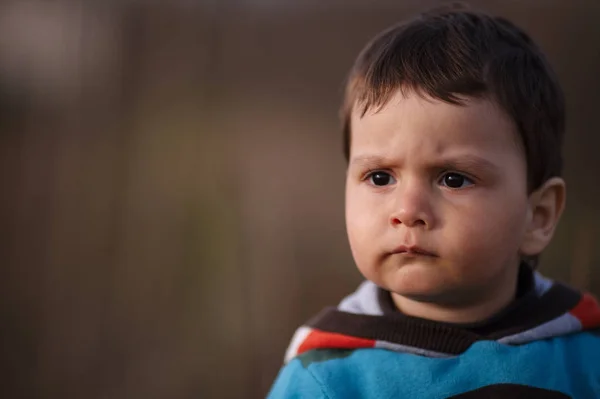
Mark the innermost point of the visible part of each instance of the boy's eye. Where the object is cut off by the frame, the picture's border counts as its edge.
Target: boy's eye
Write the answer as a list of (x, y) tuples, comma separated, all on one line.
[(455, 180), (381, 179)]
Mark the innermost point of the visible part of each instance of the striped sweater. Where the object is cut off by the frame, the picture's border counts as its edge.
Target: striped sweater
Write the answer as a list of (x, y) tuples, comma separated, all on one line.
[(546, 344)]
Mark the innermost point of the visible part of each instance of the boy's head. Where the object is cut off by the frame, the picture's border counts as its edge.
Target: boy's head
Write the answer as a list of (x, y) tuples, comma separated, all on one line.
[(453, 124)]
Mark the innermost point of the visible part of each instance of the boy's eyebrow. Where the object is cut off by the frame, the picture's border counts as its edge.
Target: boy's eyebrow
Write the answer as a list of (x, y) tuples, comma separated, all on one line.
[(467, 161), (368, 160)]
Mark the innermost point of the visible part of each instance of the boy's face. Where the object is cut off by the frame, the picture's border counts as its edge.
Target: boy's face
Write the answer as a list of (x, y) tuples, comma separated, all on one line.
[(436, 199)]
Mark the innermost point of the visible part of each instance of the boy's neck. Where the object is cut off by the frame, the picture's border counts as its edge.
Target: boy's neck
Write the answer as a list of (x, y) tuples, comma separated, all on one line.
[(480, 309)]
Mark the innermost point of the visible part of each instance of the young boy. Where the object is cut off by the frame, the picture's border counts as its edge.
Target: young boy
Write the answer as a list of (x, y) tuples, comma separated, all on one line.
[(453, 125)]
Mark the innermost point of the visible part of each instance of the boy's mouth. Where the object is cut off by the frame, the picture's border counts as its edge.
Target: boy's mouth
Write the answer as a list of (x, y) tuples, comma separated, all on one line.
[(412, 250)]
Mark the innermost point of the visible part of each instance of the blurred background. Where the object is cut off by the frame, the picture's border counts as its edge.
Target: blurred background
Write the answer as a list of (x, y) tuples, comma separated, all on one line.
[(171, 184)]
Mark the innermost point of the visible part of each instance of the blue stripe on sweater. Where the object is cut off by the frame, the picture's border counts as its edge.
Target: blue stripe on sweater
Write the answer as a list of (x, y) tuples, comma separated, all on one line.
[(569, 364)]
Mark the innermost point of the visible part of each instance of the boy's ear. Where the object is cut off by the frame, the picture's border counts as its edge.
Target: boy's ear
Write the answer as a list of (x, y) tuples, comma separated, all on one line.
[(546, 204)]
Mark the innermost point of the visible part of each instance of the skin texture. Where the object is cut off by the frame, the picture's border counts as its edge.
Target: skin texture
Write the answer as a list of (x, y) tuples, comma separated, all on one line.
[(437, 208)]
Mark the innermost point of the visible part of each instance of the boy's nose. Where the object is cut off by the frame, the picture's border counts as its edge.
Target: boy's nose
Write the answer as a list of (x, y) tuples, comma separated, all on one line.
[(412, 209)]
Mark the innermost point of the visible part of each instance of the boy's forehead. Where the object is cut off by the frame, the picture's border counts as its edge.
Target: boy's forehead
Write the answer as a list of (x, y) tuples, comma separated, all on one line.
[(413, 117)]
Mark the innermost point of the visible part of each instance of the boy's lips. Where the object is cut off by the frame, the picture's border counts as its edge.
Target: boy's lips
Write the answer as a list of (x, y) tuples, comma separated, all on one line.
[(412, 250)]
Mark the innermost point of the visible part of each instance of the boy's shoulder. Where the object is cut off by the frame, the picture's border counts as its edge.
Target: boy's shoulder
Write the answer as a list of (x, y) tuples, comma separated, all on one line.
[(368, 319), (562, 367)]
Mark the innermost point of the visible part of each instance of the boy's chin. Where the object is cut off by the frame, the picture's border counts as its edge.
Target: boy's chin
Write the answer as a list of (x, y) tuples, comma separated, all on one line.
[(418, 282)]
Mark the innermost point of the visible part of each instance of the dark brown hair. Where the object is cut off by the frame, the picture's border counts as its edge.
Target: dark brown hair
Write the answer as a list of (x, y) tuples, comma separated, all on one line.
[(449, 54)]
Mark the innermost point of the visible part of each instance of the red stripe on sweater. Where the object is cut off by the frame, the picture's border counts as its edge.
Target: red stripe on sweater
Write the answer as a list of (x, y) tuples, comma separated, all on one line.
[(587, 312), (322, 340)]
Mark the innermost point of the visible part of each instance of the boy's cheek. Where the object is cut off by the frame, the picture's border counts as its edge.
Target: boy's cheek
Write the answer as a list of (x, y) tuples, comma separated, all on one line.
[(478, 240), (362, 212)]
